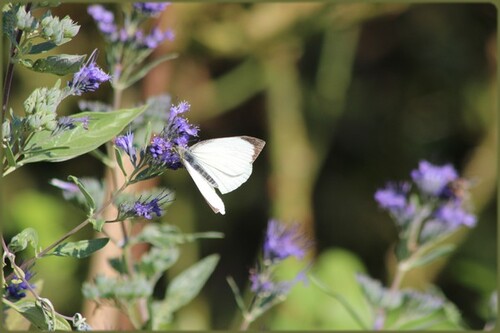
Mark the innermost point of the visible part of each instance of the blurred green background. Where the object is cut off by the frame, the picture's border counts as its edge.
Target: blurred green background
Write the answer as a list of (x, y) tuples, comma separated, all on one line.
[(347, 96)]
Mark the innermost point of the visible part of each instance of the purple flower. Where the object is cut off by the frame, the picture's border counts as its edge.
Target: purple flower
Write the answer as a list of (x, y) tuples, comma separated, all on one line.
[(260, 283), (156, 37), (453, 215), (432, 179), (150, 8), (282, 242), (65, 186), (393, 198), (144, 208), (125, 143), (88, 78), (104, 19), (178, 132), (69, 123), (15, 290), (163, 151)]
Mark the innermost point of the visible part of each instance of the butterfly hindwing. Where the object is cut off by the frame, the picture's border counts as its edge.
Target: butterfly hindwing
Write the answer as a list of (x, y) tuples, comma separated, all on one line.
[(206, 189)]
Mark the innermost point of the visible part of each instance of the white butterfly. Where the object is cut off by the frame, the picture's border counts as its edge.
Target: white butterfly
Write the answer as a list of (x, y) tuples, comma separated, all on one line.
[(223, 163)]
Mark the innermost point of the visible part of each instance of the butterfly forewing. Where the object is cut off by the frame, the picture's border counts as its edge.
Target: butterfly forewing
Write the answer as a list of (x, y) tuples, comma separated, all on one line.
[(228, 161)]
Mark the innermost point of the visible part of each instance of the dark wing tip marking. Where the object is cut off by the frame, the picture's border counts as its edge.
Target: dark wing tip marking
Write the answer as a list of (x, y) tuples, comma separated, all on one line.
[(257, 144)]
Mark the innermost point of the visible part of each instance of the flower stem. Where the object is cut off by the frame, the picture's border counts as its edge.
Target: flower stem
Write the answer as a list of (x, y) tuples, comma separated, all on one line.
[(10, 70)]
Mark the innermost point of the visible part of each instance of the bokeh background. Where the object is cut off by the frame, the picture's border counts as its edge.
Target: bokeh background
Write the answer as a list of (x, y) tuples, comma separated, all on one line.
[(347, 96)]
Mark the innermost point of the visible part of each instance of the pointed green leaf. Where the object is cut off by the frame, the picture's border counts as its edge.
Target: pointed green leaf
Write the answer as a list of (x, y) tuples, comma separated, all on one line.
[(102, 127), (97, 224), (29, 310), (61, 64), (9, 155), (20, 241), (186, 286), (81, 249), (42, 47), (90, 201), (147, 68), (119, 161)]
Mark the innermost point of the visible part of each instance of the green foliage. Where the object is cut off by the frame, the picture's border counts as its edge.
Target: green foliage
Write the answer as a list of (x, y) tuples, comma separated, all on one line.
[(89, 200), (409, 309), (61, 64), (183, 288), (19, 242), (80, 249), (102, 127), (126, 289), (38, 315)]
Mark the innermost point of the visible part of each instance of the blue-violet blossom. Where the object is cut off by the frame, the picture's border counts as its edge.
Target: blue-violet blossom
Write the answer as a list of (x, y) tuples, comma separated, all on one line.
[(453, 215), (282, 242), (15, 290), (88, 78), (432, 179), (178, 132), (125, 143), (393, 198), (150, 8), (104, 19)]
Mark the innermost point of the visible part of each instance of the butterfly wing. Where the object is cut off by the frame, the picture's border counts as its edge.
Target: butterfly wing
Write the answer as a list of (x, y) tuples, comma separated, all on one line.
[(228, 161), (206, 189)]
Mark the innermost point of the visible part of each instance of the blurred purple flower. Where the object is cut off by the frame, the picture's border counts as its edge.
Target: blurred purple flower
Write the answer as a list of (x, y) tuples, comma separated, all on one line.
[(15, 289), (432, 179), (104, 19), (150, 8), (282, 242), (393, 198), (453, 215)]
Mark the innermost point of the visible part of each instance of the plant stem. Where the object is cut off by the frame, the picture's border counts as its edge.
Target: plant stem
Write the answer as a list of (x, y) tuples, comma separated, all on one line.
[(10, 70)]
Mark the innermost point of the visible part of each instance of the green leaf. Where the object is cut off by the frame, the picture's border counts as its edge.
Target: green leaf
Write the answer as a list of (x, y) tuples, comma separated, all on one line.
[(111, 287), (88, 198), (71, 143), (157, 261), (119, 161), (20, 241), (61, 64), (9, 155), (81, 249), (145, 69), (186, 286), (97, 224), (29, 310), (165, 235), (42, 47), (432, 255)]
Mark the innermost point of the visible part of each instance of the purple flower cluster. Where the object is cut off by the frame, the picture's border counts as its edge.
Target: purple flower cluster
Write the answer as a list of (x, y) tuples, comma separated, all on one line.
[(442, 210), (393, 198), (282, 242), (150, 8), (432, 179), (177, 133), (135, 37), (88, 78), (145, 208), (104, 18), (125, 143), (453, 214), (15, 290)]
